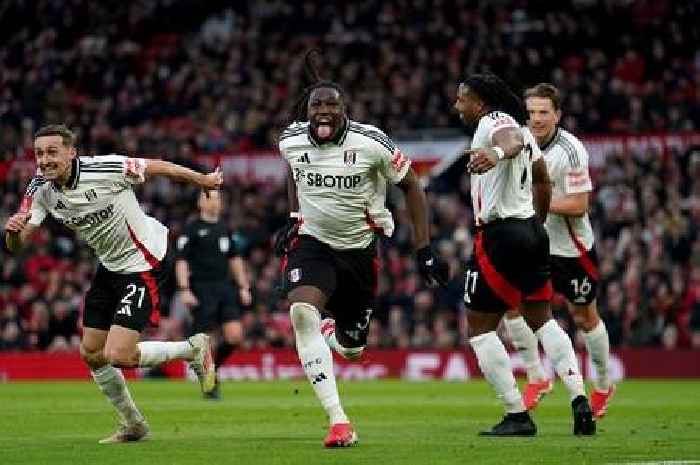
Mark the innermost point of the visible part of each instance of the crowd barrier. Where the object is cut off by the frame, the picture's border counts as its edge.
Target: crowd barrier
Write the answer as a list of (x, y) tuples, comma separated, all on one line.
[(411, 365)]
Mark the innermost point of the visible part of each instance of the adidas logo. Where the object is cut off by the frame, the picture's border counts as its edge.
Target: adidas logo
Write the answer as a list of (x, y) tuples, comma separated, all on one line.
[(304, 159), (60, 205), (318, 378)]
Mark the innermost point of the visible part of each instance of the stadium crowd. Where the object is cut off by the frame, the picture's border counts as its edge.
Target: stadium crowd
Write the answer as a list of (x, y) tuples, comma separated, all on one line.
[(178, 78), (146, 75)]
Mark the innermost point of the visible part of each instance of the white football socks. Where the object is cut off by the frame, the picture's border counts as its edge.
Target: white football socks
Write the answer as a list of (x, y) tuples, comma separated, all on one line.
[(316, 359), (153, 353), (557, 346), (598, 347), (526, 343), (111, 382), (496, 367)]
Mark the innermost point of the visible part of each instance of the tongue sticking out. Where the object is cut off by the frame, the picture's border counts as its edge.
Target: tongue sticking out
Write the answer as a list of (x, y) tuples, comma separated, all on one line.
[(324, 131)]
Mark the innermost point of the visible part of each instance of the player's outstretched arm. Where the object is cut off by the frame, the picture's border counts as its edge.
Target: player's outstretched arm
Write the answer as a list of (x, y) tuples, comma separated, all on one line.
[(417, 208), (510, 140), (541, 189), (209, 181), (571, 204), (18, 231), (507, 143), (433, 270)]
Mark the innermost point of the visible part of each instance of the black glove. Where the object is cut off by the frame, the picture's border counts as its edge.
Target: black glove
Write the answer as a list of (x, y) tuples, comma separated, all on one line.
[(432, 268), (284, 236)]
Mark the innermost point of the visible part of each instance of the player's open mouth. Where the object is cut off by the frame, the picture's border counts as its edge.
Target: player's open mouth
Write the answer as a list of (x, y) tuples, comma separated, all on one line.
[(324, 129)]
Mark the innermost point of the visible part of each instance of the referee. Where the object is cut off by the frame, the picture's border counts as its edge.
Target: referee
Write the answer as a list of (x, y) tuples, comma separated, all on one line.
[(206, 262)]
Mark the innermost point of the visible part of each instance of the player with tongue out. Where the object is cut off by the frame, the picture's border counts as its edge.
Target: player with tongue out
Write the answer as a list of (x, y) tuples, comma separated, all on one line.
[(339, 171), (326, 114)]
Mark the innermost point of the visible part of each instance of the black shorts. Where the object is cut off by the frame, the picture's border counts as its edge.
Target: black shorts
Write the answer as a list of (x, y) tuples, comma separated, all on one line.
[(131, 300), (217, 305), (576, 277), (510, 264), (347, 277)]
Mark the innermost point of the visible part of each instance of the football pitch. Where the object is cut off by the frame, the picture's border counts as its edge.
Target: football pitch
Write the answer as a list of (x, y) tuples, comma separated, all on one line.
[(397, 423)]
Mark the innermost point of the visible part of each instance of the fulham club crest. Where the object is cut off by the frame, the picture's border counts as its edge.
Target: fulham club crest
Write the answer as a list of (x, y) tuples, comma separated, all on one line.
[(295, 275), (350, 157), (90, 195)]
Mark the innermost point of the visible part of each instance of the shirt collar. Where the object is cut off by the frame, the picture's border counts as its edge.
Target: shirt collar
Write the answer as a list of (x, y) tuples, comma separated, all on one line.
[(551, 140), (73, 178)]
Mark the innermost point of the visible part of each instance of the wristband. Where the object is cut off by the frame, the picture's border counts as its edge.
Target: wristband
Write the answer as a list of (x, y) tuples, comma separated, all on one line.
[(295, 215), (499, 152)]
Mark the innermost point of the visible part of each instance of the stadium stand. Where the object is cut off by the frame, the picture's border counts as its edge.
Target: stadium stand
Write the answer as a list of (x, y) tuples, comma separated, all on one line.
[(179, 79)]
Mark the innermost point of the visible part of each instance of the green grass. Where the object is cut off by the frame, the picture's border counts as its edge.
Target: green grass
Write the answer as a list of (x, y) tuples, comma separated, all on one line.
[(281, 423)]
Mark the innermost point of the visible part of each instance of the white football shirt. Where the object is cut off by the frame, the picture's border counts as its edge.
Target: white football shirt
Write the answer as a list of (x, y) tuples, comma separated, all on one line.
[(505, 191), (341, 187), (99, 204), (567, 164)]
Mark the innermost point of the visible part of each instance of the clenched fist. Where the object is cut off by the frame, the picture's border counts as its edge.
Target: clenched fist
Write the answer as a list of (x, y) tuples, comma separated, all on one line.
[(17, 222)]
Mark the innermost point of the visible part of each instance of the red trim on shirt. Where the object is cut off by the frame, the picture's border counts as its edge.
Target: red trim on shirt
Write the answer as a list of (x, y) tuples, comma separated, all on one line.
[(152, 286), (372, 225), (497, 282), (543, 294), (153, 261), (583, 257)]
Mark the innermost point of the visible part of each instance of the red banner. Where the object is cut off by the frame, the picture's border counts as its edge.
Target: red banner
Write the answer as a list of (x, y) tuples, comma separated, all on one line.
[(409, 365)]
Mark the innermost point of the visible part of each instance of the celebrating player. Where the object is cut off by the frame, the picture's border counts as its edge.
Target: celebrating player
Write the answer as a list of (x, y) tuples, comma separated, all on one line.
[(509, 266), (573, 259), (93, 196), (337, 188)]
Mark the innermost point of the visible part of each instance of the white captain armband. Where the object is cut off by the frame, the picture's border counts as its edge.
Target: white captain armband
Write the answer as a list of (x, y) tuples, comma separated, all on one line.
[(135, 169)]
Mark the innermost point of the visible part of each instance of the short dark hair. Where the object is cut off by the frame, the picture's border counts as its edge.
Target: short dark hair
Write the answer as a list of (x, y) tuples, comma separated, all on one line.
[(497, 95), (545, 90), (62, 130)]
